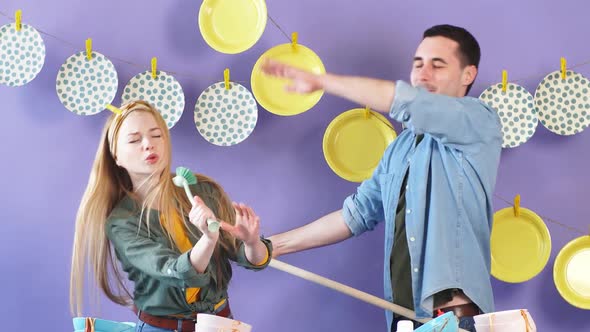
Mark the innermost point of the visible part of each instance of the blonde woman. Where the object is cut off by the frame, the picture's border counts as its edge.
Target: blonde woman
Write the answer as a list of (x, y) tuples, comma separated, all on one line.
[(131, 208)]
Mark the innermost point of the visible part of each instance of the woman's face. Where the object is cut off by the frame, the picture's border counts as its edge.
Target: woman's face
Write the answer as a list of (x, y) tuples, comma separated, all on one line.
[(141, 146)]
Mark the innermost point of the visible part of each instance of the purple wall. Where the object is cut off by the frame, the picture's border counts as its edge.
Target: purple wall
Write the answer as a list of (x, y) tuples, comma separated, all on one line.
[(280, 169)]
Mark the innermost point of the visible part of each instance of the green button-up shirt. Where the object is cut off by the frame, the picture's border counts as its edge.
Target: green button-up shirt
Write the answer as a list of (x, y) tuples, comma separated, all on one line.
[(159, 271)]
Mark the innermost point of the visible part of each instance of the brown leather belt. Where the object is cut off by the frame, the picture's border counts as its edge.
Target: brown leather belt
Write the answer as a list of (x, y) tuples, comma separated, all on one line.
[(171, 323), (461, 310)]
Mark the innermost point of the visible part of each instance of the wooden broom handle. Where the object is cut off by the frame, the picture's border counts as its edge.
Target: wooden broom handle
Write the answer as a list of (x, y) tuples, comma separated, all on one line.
[(374, 300)]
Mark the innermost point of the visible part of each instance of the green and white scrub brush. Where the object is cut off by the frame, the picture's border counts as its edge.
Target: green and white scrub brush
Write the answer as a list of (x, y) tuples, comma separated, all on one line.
[(184, 177)]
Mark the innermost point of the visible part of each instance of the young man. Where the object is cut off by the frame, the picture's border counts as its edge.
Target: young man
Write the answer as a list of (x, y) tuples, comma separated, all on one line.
[(433, 186)]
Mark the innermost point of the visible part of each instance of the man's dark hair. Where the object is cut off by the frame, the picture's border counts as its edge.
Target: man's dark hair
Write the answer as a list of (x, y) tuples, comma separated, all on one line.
[(469, 51)]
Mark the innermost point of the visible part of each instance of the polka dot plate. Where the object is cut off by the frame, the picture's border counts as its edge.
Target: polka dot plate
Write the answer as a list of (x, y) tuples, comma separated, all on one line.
[(226, 117), (562, 105), (516, 111), (86, 87), (164, 93), (22, 54)]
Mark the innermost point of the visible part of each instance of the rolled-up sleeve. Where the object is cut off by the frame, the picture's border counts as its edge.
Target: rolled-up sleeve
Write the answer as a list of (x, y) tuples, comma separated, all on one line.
[(242, 260), (363, 210), (134, 247), (459, 122)]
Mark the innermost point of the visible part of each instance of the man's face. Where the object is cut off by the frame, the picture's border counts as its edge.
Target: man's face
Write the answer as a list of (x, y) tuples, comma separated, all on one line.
[(437, 67)]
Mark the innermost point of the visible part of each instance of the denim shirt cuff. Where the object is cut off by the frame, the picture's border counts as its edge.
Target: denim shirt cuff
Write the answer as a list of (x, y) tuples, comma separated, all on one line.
[(352, 217), (404, 94)]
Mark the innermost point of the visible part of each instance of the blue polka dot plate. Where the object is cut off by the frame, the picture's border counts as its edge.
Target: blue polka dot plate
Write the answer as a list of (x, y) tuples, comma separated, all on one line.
[(563, 106), (226, 117), (163, 92), (86, 87), (516, 111), (22, 54)]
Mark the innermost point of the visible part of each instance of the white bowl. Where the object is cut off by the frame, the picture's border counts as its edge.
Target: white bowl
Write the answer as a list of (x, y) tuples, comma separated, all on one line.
[(221, 323), (510, 320)]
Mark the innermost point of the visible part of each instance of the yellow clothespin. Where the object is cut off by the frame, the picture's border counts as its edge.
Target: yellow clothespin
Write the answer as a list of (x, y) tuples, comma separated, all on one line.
[(89, 48), (504, 80), (226, 78), (114, 109), (154, 67), (563, 68), (367, 112), (517, 206), (18, 16), (294, 37)]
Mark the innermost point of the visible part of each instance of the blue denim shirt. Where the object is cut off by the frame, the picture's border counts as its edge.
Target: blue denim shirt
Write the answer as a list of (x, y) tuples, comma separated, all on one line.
[(452, 174)]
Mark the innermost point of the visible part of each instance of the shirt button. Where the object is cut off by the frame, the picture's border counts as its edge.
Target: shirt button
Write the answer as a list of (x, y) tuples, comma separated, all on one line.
[(169, 271), (412, 239), (415, 269), (408, 211), (406, 116)]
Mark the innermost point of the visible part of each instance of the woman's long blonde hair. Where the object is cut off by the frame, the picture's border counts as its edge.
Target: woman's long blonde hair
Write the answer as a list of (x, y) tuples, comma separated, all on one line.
[(107, 185)]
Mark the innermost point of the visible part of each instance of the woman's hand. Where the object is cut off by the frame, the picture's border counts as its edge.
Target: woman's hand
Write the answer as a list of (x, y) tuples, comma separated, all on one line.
[(247, 227), (199, 215)]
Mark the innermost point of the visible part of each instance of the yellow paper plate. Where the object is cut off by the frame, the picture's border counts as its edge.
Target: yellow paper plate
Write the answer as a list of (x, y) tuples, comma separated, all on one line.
[(571, 272), (232, 26), (354, 143), (270, 91), (520, 246)]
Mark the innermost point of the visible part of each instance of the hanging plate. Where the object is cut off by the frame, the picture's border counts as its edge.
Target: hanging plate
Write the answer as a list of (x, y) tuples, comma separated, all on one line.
[(571, 272), (354, 143), (270, 91), (232, 26), (520, 246)]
